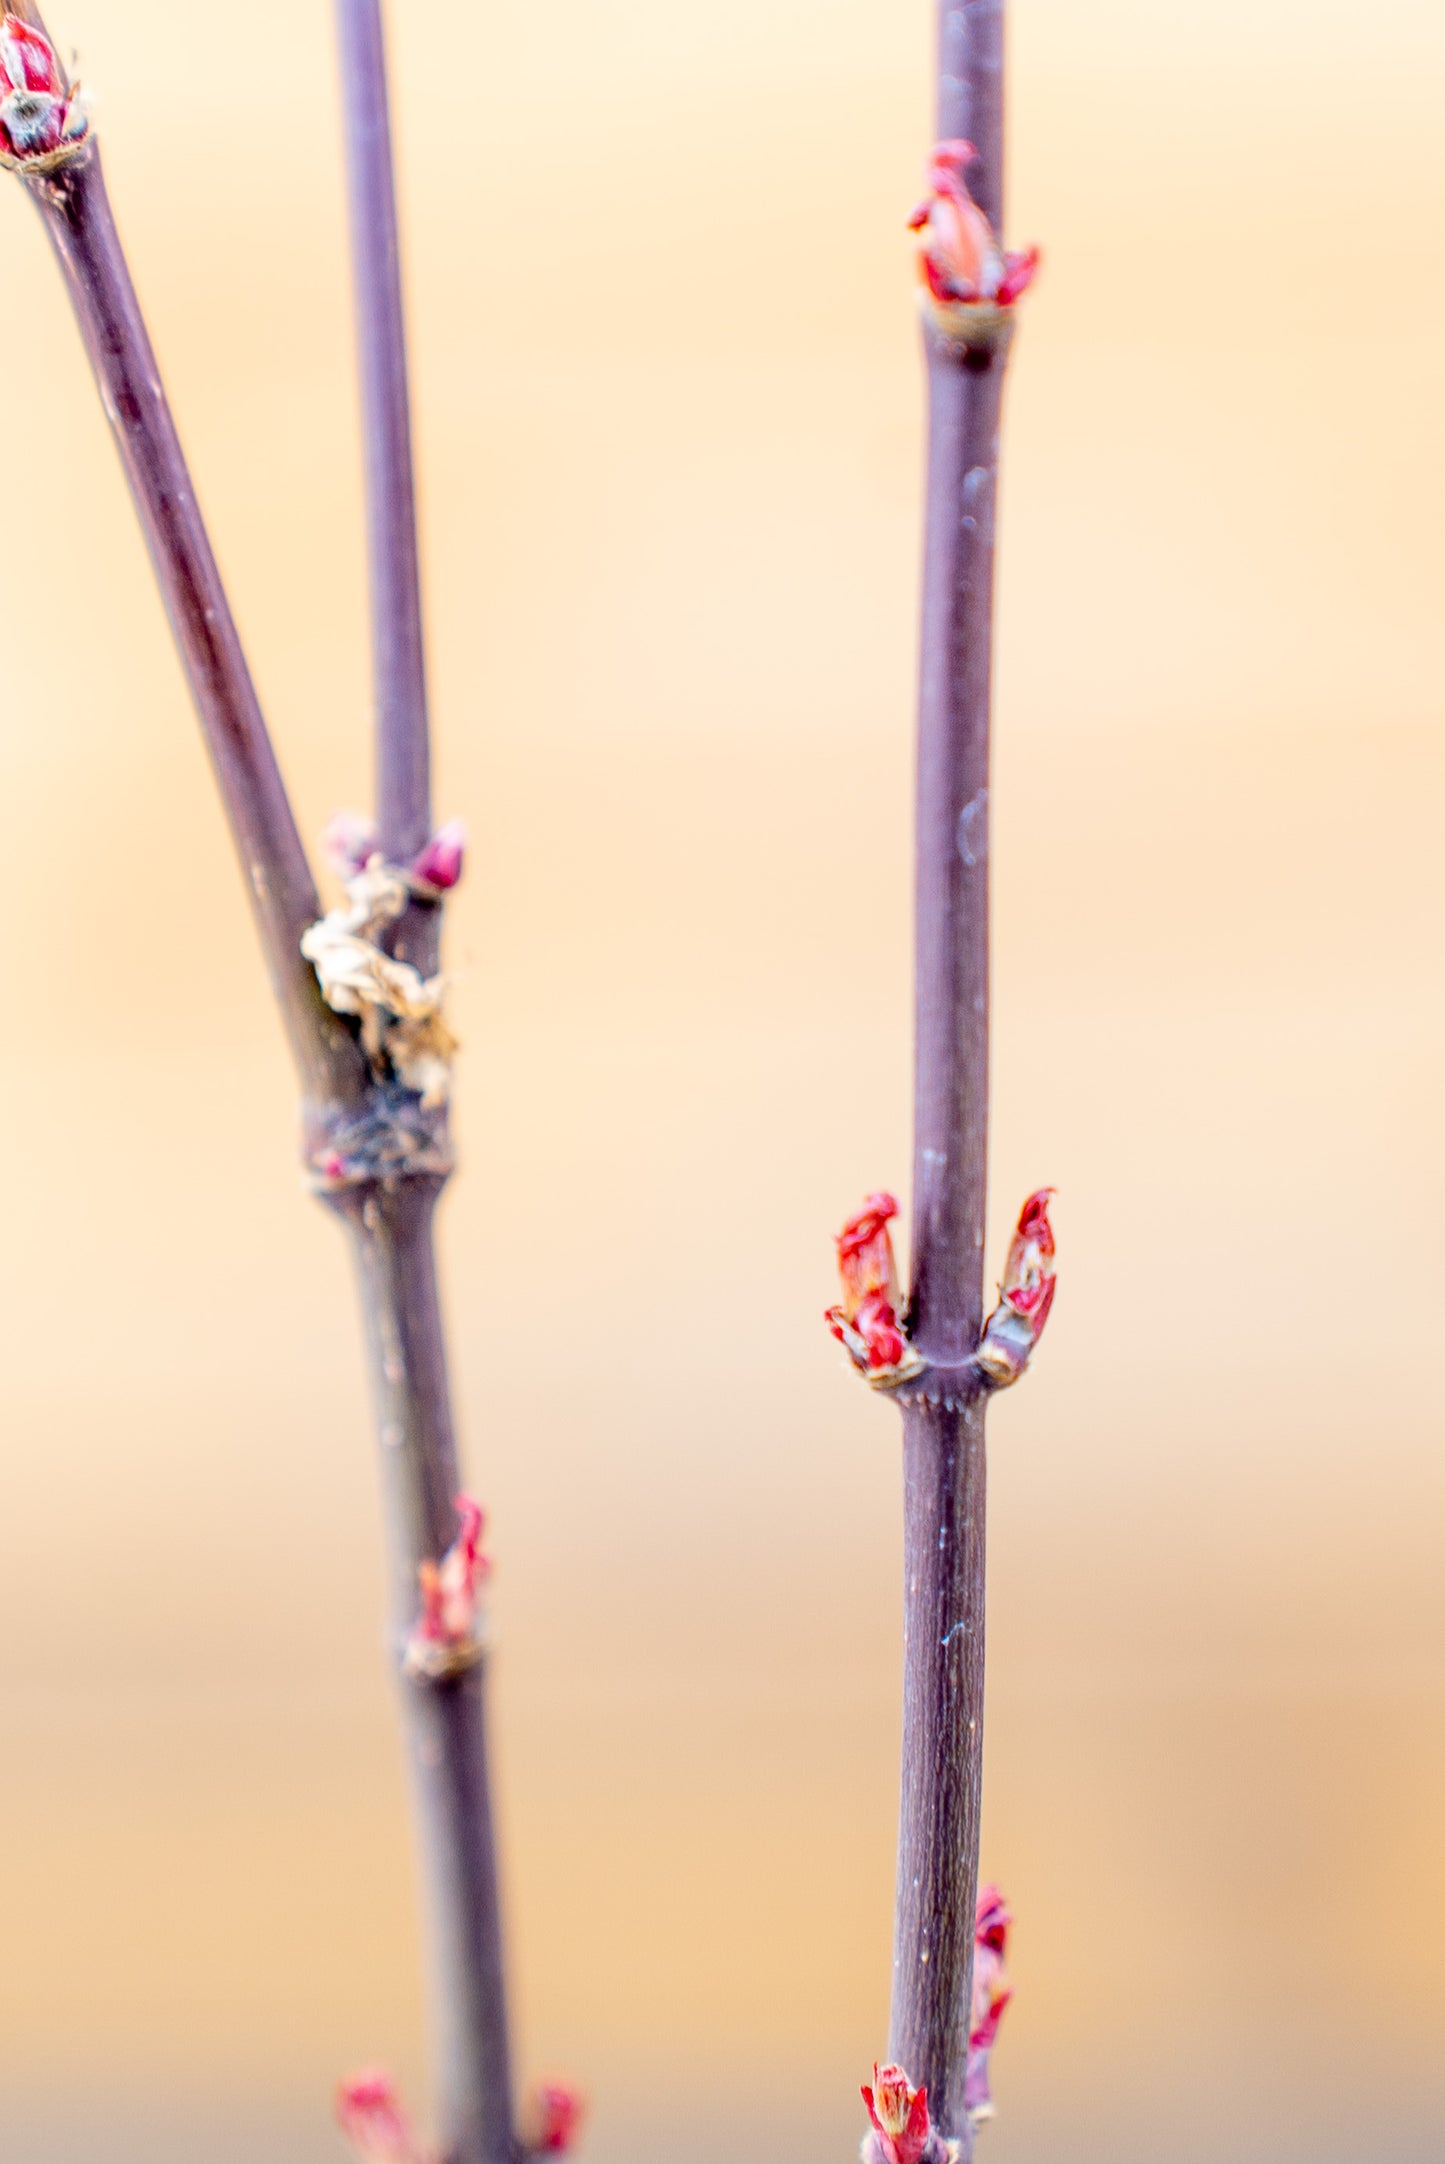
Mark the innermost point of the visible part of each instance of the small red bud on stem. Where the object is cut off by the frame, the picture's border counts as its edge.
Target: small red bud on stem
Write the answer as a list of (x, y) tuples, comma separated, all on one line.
[(898, 2114), (369, 2114), (1026, 1295), (960, 260), (43, 122), (440, 863), (991, 1994), (554, 2115), (351, 842), (448, 1636), (867, 1321)]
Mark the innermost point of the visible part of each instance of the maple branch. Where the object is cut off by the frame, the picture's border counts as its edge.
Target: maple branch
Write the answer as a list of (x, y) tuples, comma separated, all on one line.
[(944, 1451), (75, 211), (373, 1054), (391, 1221), (444, 1721)]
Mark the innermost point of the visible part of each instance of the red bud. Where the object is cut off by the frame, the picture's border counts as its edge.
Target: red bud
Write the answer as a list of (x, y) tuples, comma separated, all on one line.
[(868, 1321), (991, 1995), (42, 121), (447, 1635), (960, 259), (440, 863), (554, 2116), (898, 2114), (1025, 1295), (369, 2114)]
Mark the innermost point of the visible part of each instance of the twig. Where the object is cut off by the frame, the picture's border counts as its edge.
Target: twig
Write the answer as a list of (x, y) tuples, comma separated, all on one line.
[(944, 1458), (444, 1721), (944, 1464), (391, 1219), (76, 213), (378, 1148), (403, 765)]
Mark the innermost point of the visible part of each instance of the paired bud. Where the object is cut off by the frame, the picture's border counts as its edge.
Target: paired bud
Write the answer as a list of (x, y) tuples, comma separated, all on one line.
[(448, 1636), (1025, 1296), (351, 843), (960, 260), (867, 1322), (370, 2116), (902, 2132), (43, 123), (554, 2113), (991, 1995)]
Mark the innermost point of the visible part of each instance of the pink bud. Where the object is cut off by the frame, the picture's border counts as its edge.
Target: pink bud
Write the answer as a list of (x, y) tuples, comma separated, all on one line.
[(440, 863), (867, 1321), (41, 120), (991, 1995), (370, 2116), (350, 842), (447, 1635), (553, 2117), (898, 2114), (1025, 1295), (960, 259)]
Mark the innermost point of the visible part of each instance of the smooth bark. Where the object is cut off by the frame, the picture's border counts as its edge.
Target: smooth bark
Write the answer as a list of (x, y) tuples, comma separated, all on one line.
[(392, 1221), (445, 1723), (399, 690), (76, 213), (945, 1457), (389, 1215)]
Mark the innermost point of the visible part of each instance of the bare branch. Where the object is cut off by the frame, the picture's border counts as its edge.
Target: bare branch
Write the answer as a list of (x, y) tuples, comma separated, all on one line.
[(76, 213), (403, 769), (373, 1052), (391, 1220), (969, 287), (444, 1721)]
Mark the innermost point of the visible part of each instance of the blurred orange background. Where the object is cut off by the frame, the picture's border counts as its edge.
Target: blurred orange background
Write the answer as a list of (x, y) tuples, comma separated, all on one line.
[(669, 424)]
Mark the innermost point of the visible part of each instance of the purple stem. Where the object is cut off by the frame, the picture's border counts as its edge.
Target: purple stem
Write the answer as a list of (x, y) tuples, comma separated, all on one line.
[(944, 1458), (392, 1219), (76, 213), (445, 1723), (390, 1215), (403, 763), (970, 93)]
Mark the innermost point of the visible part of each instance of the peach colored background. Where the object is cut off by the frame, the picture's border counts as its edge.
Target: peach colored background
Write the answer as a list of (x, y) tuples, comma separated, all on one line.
[(669, 428)]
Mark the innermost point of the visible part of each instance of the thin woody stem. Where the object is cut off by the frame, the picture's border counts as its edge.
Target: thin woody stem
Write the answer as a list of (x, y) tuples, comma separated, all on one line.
[(392, 1220), (403, 767), (445, 1723), (76, 213), (390, 1215), (945, 1465), (971, 94)]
